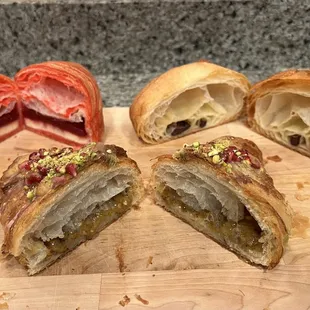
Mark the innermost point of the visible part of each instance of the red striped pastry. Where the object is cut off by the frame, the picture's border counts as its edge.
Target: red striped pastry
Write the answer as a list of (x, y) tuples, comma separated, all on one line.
[(10, 120), (61, 100)]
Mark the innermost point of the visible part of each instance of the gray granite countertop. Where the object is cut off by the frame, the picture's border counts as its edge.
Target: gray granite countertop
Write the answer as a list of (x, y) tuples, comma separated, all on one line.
[(126, 43), (120, 90), (121, 37)]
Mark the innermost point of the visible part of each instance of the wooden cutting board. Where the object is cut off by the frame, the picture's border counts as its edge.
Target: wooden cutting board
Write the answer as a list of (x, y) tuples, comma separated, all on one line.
[(151, 253)]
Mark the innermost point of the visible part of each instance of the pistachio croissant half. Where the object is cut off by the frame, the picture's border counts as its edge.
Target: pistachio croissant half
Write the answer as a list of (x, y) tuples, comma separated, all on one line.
[(222, 190), (53, 200)]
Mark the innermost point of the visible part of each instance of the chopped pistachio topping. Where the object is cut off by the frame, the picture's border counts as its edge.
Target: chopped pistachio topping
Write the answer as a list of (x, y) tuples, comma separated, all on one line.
[(229, 168), (196, 144), (46, 165), (216, 159), (31, 194), (218, 148)]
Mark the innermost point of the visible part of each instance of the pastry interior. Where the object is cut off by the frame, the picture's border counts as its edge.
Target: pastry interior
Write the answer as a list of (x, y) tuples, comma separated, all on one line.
[(213, 209), (54, 107), (286, 116), (196, 109), (89, 207)]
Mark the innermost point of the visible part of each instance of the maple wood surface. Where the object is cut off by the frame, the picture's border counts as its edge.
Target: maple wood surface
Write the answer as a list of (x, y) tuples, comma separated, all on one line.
[(150, 253)]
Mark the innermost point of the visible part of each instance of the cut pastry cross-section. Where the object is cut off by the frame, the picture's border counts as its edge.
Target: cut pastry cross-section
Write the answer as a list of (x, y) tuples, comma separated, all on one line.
[(53, 200), (279, 108), (61, 100), (10, 118), (222, 190), (187, 99)]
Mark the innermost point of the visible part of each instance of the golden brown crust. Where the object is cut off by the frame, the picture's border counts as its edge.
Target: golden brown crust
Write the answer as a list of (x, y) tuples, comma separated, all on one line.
[(18, 214), (174, 82), (295, 81), (254, 184)]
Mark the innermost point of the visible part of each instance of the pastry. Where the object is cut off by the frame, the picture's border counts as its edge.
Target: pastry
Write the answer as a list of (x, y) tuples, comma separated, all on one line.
[(53, 200), (10, 120), (61, 100), (222, 189), (279, 108), (187, 99)]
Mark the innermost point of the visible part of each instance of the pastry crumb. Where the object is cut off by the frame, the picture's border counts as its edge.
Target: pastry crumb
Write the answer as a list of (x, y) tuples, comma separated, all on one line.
[(125, 301), (144, 301), (4, 306), (119, 253), (149, 261), (7, 296), (274, 158), (299, 185), (300, 197)]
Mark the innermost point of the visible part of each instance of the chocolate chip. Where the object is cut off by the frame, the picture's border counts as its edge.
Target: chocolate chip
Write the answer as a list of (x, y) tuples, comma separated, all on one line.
[(201, 122), (177, 128), (295, 140)]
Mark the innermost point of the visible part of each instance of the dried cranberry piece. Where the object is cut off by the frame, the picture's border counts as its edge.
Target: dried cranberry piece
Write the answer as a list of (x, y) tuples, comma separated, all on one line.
[(235, 157), (228, 155), (41, 152), (33, 178), (71, 169), (43, 170), (59, 180), (244, 152), (34, 156), (255, 163), (26, 165)]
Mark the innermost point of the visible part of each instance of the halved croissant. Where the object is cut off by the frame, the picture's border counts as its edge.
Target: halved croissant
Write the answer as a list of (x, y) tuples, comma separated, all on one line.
[(279, 108), (56, 199), (10, 114), (61, 100), (222, 190), (187, 99)]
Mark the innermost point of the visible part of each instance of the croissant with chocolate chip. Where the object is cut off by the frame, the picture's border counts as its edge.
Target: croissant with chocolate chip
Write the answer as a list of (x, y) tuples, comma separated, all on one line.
[(222, 189), (187, 99), (53, 200), (279, 108)]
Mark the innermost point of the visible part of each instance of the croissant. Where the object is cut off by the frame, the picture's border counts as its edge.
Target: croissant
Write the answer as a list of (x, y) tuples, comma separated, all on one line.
[(222, 190), (187, 99), (279, 108), (10, 119), (61, 100), (53, 200)]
